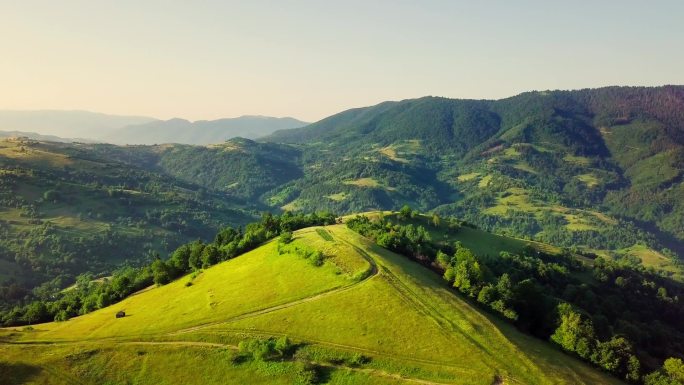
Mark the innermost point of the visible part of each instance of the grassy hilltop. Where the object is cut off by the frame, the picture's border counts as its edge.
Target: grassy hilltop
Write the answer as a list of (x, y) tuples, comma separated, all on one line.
[(365, 315)]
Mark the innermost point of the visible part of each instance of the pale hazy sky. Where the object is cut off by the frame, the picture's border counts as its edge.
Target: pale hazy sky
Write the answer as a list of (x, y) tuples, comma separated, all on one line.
[(310, 59)]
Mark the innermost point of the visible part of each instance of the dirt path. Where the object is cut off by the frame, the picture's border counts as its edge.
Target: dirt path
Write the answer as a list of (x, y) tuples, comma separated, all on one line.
[(378, 373)]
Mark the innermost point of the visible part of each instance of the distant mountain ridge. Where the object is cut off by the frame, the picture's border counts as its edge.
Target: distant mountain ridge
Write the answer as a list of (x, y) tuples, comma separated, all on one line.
[(201, 132), (67, 124), (36, 136), (85, 126)]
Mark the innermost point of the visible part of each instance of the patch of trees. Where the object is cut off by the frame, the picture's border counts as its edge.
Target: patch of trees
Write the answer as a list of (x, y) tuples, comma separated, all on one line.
[(404, 239), (315, 257), (89, 295), (612, 315), (266, 349)]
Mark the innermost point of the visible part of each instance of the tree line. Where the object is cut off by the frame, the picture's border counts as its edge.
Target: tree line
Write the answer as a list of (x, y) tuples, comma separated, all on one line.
[(621, 319), (88, 295)]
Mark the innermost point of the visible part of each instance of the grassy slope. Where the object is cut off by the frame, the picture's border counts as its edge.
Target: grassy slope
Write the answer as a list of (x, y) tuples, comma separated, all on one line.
[(401, 315)]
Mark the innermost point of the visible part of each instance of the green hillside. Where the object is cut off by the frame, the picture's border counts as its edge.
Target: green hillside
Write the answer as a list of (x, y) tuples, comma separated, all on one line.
[(66, 209), (365, 315)]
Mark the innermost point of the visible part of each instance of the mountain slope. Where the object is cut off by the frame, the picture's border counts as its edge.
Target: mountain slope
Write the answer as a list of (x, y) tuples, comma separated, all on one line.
[(598, 168), (201, 132), (397, 315)]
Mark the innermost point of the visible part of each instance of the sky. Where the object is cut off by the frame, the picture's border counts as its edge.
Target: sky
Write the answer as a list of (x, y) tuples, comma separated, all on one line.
[(311, 59)]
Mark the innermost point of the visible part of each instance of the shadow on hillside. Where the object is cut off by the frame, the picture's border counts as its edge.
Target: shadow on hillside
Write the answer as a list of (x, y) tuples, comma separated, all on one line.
[(18, 373)]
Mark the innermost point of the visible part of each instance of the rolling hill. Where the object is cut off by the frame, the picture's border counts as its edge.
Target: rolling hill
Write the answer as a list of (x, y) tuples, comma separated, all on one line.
[(201, 132), (366, 315)]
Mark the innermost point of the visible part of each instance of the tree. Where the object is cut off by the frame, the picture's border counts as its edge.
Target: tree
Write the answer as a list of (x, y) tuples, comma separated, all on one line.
[(436, 220), (51, 196), (180, 258), (468, 276), (613, 355), (674, 367), (572, 329), (443, 259), (61, 316), (35, 311), (504, 288), (487, 294), (672, 373), (195, 258), (283, 345), (449, 274), (405, 212), (210, 256), (286, 237), (633, 369), (161, 272)]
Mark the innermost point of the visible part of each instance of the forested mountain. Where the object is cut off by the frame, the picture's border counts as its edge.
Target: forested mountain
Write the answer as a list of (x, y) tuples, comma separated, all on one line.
[(598, 168), (200, 132)]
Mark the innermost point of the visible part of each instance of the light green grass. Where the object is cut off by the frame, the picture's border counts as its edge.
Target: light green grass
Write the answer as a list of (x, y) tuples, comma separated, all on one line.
[(578, 160), (399, 314), (402, 151), (514, 198), (654, 259), (524, 166), (467, 177), (519, 199), (339, 197), (217, 293), (589, 179), (484, 182), (407, 313), (363, 182)]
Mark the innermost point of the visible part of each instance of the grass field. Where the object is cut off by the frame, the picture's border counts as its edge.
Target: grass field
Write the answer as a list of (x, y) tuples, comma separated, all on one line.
[(519, 199), (363, 182), (366, 300), (652, 258), (467, 177)]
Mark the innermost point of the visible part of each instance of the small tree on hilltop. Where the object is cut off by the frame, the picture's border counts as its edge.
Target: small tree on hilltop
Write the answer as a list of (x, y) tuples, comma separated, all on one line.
[(286, 237), (405, 212), (436, 220)]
